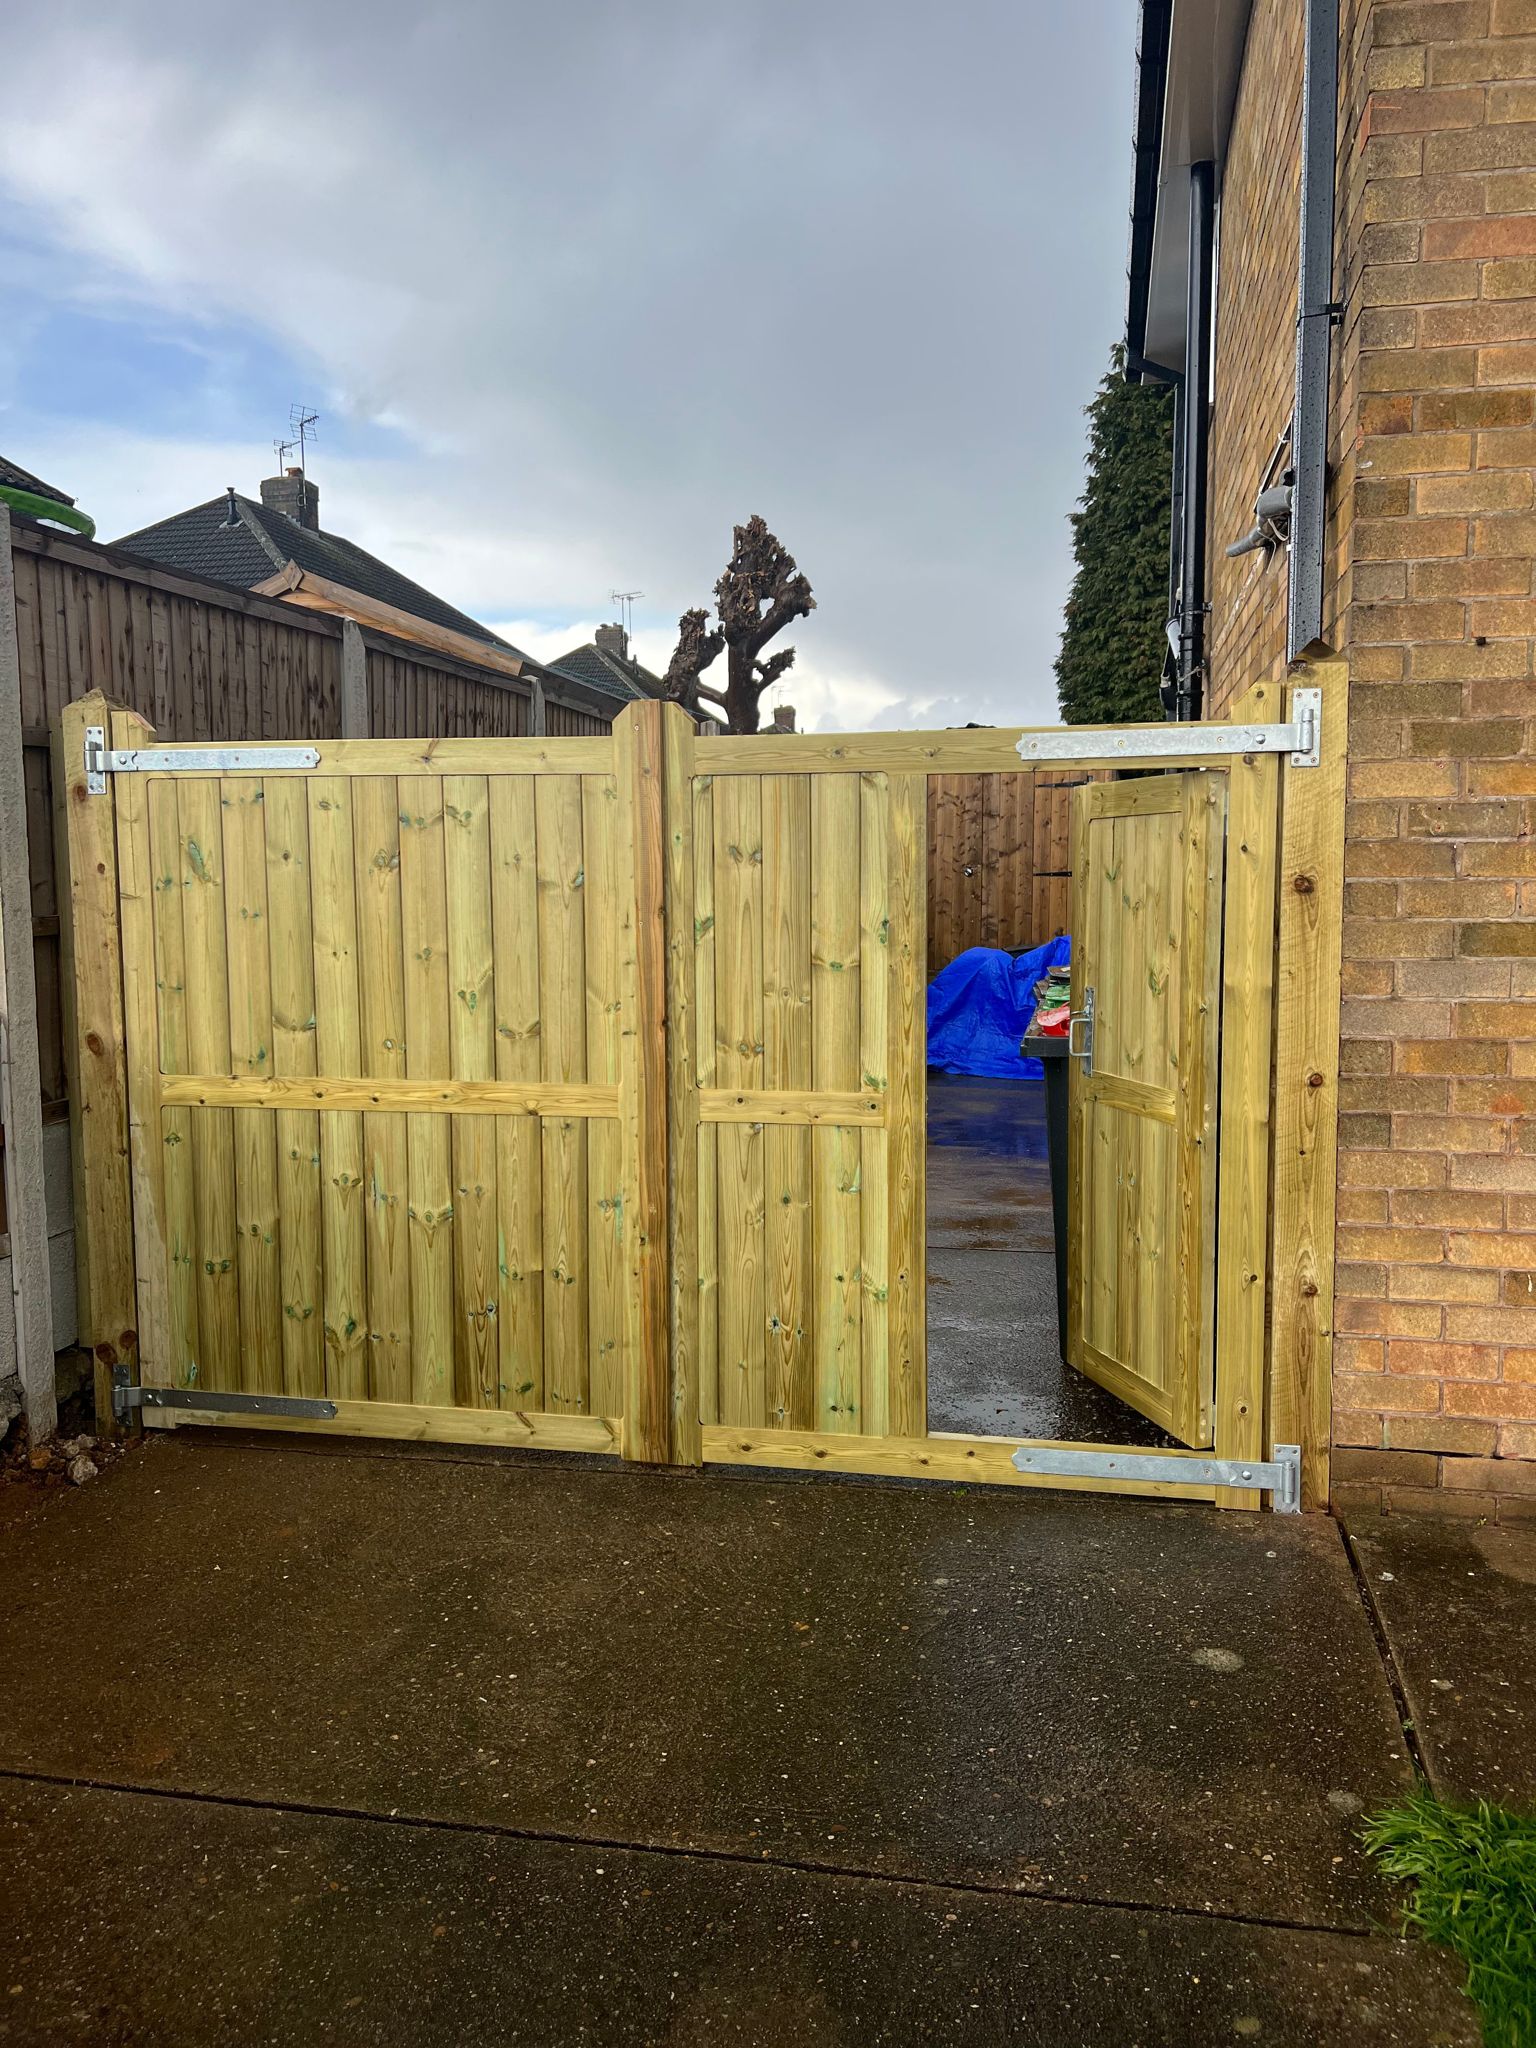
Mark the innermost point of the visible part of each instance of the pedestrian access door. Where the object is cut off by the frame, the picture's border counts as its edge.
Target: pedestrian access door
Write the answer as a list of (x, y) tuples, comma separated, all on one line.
[(1147, 870)]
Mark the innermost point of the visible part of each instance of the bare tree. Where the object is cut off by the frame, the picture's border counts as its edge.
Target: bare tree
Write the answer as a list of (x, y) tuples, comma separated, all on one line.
[(760, 593)]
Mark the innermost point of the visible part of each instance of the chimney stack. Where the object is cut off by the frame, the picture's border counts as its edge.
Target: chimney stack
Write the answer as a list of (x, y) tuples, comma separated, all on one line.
[(612, 640), (293, 494), (783, 718)]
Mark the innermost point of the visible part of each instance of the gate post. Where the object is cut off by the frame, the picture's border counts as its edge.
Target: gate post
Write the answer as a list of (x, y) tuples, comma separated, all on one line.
[(682, 1083), (95, 1056), (638, 759)]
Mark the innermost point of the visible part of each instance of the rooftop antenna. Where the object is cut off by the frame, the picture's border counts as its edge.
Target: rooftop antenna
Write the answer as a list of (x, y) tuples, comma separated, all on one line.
[(625, 600), (302, 422)]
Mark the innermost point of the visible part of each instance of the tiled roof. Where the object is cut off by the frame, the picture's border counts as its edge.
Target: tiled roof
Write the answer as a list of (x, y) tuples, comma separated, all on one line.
[(600, 670), (202, 542)]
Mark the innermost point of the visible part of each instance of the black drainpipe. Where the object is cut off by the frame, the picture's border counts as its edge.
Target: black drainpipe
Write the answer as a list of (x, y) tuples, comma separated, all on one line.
[(1315, 314), (1195, 441)]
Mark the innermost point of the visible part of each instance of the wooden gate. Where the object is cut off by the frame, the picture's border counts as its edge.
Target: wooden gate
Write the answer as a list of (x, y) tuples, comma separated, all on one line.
[(571, 1093), (796, 1042), (1147, 865), (385, 1078)]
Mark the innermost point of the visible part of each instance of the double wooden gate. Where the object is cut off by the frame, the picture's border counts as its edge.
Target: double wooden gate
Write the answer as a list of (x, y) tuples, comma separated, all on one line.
[(570, 1093)]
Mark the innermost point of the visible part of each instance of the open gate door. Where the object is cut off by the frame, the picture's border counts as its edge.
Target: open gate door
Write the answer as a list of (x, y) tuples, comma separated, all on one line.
[(1147, 865)]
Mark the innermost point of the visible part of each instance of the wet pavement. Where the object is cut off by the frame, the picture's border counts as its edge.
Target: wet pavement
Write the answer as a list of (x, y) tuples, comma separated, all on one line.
[(994, 1357), (307, 1744), (1457, 1606)]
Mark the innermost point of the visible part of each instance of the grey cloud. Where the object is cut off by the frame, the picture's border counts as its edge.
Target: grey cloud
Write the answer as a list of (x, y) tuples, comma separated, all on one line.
[(637, 271)]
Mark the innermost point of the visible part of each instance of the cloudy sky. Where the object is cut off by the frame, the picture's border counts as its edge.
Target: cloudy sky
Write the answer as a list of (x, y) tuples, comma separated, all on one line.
[(574, 288)]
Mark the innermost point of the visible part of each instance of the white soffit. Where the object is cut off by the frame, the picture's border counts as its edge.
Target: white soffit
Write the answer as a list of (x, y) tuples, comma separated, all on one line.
[(1205, 58)]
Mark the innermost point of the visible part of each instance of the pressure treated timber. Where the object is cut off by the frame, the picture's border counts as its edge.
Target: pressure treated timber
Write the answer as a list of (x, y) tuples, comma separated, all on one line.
[(95, 1059), (788, 1106), (640, 762), (425, 757), (1147, 878), (982, 750), (415, 1423), (976, 1459), (136, 893), (1305, 1138), (338, 1050), (461, 1098), (1248, 984), (681, 995)]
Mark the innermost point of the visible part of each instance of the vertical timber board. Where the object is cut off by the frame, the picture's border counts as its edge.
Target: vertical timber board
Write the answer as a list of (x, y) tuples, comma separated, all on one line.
[(96, 1058), (791, 1391), (704, 1046), (472, 1033), (739, 1147), (1307, 994), (428, 1057), (242, 807), (1243, 1152), (338, 1050), (141, 1039), (874, 1062), (682, 1085), (561, 870), (290, 920), (519, 1146), (640, 760), (906, 1108), (200, 876), (375, 805), (836, 1154), (608, 929)]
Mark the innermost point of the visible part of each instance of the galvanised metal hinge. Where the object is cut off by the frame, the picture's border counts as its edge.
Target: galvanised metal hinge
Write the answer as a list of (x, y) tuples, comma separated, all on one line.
[(1279, 1476), (102, 760), (1298, 738), (126, 1397)]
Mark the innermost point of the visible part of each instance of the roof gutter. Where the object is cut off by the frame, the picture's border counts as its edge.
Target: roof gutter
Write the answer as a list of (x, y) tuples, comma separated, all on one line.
[(1154, 22)]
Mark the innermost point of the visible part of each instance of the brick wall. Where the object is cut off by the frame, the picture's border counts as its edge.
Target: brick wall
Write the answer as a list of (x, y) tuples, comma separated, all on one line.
[(1432, 540), (1253, 372), (1435, 1370)]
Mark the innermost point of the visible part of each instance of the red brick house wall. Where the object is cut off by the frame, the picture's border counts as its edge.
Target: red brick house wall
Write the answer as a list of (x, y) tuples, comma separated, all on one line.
[(1434, 538)]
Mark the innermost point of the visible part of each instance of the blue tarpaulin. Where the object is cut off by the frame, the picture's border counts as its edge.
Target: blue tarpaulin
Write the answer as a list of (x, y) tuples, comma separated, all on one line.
[(980, 1006)]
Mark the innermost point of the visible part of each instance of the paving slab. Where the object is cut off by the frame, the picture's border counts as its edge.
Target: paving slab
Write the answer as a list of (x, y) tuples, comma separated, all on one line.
[(1112, 1701), (1458, 1607), (142, 1919)]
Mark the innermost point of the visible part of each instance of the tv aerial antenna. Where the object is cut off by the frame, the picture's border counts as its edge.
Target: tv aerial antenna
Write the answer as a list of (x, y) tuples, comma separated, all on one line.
[(625, 600), (302, 422)]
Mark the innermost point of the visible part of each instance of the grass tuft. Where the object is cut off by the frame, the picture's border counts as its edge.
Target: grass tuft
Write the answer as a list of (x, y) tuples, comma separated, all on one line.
[(1473, 1869)]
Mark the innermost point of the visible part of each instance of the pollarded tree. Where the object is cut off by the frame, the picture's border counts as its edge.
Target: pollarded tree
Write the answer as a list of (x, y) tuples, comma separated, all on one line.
[(760, 593), (1114, 638)]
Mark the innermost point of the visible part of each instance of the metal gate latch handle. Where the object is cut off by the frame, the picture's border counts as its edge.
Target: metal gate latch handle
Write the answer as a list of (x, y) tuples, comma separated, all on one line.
[(1083, 1017)]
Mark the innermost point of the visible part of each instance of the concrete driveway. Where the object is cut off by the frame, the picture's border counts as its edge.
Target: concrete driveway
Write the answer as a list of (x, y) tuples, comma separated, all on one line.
[(305, 1743)]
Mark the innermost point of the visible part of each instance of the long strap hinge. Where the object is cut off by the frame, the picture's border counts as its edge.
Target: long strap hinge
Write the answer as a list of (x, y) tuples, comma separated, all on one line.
[(126, 1397), (102, 760)]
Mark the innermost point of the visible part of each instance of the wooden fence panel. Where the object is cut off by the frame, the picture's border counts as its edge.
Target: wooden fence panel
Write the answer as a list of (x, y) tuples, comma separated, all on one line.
[(204, 663), (999, 865)]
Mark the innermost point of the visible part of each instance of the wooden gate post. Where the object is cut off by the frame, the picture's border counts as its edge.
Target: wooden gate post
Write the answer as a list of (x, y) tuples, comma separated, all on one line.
[(94, 1055), (682, 1083), (1307, 997), (638, 751)]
